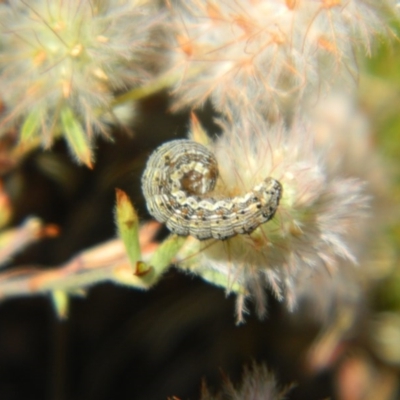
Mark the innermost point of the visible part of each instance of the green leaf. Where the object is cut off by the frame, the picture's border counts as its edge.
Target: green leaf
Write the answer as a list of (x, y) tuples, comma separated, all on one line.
[(166, 252), (76, 137), (128, 231), (162, 258), (30, 126), (60, 303)]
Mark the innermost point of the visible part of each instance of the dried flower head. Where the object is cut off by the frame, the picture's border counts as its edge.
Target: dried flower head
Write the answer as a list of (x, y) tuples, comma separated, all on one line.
[(62, 61), (265, 52), (316, 226)]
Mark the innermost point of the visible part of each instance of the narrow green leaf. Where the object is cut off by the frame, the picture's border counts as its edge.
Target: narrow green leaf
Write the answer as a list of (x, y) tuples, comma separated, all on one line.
[(161, 260), (165, 253), (30, 126), (128, 230), (60, 303), (75, 135)]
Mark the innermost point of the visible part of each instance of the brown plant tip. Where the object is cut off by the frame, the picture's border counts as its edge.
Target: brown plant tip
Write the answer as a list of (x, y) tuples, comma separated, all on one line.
[(141, 269), (121, 196), (50, 231)]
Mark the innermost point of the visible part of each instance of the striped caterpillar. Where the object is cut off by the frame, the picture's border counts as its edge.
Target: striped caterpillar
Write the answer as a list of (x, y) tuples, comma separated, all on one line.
[(177, 182)]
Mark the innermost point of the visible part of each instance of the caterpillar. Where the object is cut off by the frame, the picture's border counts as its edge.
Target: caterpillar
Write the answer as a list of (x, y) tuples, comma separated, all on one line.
[(177, 184)]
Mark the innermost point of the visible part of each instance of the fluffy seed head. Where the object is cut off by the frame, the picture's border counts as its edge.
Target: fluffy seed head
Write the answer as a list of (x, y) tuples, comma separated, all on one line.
[(265, 53), (315, 227), (62, 61)]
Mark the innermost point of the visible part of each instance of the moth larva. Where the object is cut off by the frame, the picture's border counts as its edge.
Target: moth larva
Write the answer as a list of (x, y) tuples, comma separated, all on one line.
[(177, 182)]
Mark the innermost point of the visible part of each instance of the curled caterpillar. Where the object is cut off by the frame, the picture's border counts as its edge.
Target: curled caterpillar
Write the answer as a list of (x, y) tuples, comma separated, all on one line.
[(177, 182)]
